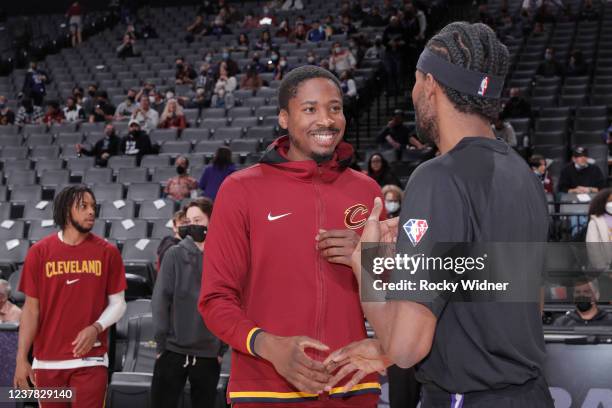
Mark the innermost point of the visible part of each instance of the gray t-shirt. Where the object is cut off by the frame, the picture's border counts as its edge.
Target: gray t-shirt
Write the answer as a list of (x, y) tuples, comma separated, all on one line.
[(480, 191)]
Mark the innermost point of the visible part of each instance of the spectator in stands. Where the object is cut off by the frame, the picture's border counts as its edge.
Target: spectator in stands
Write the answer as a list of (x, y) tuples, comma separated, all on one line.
[(349, 87), (544, 14), (127, 48), (218, 27), (149, 32), (195, 29), (539, 167), (75, 21), (398, 136), (251, 80), (587, 313), (183, 185), (185, 74), (311, 58), (230, 65), (301, 20), (29, 113), (284, 30), (550, 67), (185, 347), (341, 59), (588, 12), (89, 101), (250, 22), (504, 130), (281, 69), (374, 19), (104, 148), (257, 64), (346, 26), (9, 313), (234, 15), (485, 17), (173, 116), (379, 170), (580, 176), (34, 84), (264, 43), (393, 38), (53, 114), (577, 65), (316, 33), (103, 110), (216, 172), (77, 94), (243, 43), (299, 34), (7, 116), (157, 101), (126, 108), (517, 106), (147, 118), (73, 112), (178, 220), (600, 213), (392, 195), (224, 88), (328, 26), (136, 142), (376, 51)]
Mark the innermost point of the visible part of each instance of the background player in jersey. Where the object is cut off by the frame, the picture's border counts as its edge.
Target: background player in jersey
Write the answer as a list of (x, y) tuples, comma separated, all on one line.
[(276, 285), (74, 284), (471, 354)]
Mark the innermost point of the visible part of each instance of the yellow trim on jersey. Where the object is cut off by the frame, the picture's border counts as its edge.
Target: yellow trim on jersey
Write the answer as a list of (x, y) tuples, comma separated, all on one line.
[(248, 341), (358, 387), (267, 394)]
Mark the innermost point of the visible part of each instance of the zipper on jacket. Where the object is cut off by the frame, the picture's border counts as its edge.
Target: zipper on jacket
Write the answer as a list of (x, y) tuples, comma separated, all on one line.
[(320, 279)]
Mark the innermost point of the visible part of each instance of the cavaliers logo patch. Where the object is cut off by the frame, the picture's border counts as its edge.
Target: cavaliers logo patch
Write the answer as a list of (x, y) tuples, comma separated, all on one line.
[(355, 216)]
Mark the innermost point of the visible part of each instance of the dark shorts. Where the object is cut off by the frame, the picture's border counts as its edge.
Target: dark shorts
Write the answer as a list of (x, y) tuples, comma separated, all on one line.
[(532, 394)]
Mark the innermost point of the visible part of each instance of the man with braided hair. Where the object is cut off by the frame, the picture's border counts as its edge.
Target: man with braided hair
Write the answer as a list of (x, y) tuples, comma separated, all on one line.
[(467, 354)]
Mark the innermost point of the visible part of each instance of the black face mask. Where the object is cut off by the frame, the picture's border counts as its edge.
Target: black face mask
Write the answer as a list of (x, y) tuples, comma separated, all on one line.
[(583, 304), (181, 170), (131, 98), (92, 93), (197, 232)]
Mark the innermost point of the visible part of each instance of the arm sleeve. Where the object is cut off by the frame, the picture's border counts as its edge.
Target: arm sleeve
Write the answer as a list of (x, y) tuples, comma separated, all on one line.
[(432, 196), (162, 299), (114, 310), (226, 269)]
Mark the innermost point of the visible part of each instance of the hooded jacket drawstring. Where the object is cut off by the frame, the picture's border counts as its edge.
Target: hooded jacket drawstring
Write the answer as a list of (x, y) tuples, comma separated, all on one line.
[(193, 362)]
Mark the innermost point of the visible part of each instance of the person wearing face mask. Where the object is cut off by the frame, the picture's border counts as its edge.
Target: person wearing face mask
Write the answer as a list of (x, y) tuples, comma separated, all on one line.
[(379, 170), (185, 346), (127, 107), (178, 220), (230, 65), (251, 81), (580, 176), (73, 112), (392, 195), (586, 296), (182, 185), (257, 64), (550, 67), (104, 148), (103, 109), (316, 34), (7, 116), (341, 59), (538, 166), (89, 99), (281, 69), (185, 74), (517, 106)]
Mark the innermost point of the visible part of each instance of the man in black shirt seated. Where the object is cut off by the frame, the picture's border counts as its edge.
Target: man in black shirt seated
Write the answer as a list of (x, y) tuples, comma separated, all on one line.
[(586, 295), (580, 176), (517, 106), (398, 136)]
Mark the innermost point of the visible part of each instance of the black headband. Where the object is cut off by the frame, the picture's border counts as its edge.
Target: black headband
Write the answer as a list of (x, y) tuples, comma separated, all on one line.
[(458, 78)]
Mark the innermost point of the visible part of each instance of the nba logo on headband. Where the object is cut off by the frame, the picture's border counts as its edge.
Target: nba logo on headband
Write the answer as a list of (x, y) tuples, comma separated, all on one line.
[(483, 86)]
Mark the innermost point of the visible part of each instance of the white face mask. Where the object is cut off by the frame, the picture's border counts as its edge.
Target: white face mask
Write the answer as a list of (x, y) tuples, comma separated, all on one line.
[(609, 207), (169, 95), (392, 206), (151, 99)]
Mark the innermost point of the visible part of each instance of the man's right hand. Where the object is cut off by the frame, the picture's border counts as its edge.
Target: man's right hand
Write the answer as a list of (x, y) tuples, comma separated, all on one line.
[(78, 148), (23, 372), (288, 357)]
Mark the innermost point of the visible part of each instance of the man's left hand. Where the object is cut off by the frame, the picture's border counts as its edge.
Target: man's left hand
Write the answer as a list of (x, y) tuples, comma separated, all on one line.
[(337, 246), (84, 341)]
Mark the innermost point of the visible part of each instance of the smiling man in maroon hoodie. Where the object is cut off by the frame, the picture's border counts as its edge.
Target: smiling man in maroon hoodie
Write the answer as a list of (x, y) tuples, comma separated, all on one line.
[(276, 285)]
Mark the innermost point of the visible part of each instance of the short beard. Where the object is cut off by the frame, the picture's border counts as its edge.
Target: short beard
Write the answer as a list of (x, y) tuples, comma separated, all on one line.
[(79, 227), (426, 128), (318, 158)]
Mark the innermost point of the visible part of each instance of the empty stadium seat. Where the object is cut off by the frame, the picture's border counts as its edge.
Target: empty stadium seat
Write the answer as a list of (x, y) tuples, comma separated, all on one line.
[(21, 177), (121, 162), (162, 174), (161, 136), (17, 296), (195, 135), (154, 161), (13, 257), (107, 191), (98, 175), (14, 152), (119, 232), (117, 210), (50, 178), (43, 165), (228, 133), (134, 175), (25, 193), (156, 209), (31, 212), (175, 148), (10, 229), (78, 166), (143, 191), (44, 139), (212, 123), (39, 230)]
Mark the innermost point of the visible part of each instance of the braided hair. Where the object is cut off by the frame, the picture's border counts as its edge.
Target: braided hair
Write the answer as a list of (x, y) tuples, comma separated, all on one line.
[(475, 47)]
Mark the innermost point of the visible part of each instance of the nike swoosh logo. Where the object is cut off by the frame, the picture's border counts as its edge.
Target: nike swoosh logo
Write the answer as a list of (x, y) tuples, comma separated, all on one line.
[(276, 217), (70, 282)]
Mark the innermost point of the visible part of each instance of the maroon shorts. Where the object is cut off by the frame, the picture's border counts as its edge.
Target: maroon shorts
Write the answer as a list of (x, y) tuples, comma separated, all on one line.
[(89, 384), (362, 401)]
